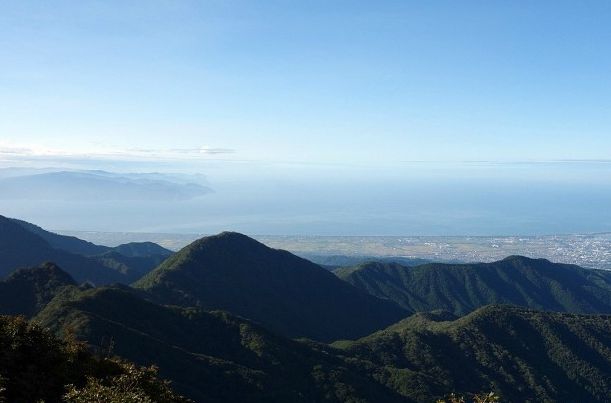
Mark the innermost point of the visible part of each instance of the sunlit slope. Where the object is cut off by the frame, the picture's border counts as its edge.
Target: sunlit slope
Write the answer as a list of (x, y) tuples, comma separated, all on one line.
[(461, 288), (525, 355)]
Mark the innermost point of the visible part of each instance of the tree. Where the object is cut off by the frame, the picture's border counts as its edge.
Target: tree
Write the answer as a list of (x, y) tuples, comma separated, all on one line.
[(490, 397)]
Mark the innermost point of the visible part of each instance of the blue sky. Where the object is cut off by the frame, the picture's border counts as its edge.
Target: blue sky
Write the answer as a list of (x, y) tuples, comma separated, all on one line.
[(326, 100), (315, 81)]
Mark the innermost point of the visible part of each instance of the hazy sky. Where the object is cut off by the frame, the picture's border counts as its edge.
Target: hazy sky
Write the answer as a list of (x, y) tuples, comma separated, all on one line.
[(334, 117), (314, 81)]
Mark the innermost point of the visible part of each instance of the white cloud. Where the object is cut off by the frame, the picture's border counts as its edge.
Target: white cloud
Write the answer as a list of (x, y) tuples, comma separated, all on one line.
[(202, 150), (15, 150), (25, 152)]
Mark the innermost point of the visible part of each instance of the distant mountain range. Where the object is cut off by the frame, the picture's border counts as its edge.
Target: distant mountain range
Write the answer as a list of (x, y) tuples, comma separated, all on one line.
[(229, 319), (23, 245), (333, 262), (99, 186), (462, 288), (70, 244)]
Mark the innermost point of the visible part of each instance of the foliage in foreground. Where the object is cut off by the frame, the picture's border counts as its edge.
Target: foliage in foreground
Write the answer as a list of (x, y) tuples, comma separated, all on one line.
[(36, 366), (490, 397)]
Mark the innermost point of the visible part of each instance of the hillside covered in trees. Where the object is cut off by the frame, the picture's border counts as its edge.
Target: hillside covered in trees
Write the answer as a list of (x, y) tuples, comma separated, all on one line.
[(462, 288), (228, 319)]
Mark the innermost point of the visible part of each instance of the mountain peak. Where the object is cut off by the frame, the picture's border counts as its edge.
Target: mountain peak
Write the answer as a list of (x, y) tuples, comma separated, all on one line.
[(521, 258), (14, 237), (141, 249), (28, 290), (230, 235), (225, 246), (293, 296), (46, 270), (227, 239)]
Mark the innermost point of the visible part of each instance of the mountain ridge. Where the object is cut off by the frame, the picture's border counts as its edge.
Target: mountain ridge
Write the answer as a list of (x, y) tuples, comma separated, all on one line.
[(20, 248), (209, 356), (522, 354), (461, 288), (64, 242), (27, 291), (23, 244), (291, 295)]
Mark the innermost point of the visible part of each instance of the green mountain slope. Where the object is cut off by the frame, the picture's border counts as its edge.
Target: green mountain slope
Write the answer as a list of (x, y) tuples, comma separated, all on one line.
[(211, 357), (67, 243), (142, 249), (522, 354), (461, 288), (21, 248), (333, 262), (26, 291), (132, 267), (132, 259), (285, 293), (525, 355)]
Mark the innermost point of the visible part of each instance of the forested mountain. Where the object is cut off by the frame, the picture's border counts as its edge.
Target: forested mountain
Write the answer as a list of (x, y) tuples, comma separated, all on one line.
[(283, 292), (24, 245), (332, 262), (219, 316), (132, 267), (211, 356), (134, 259), (26, 291), (142, 249), (20, 248), (67, 243), (524, 355), (461, 288), (81, 247)]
